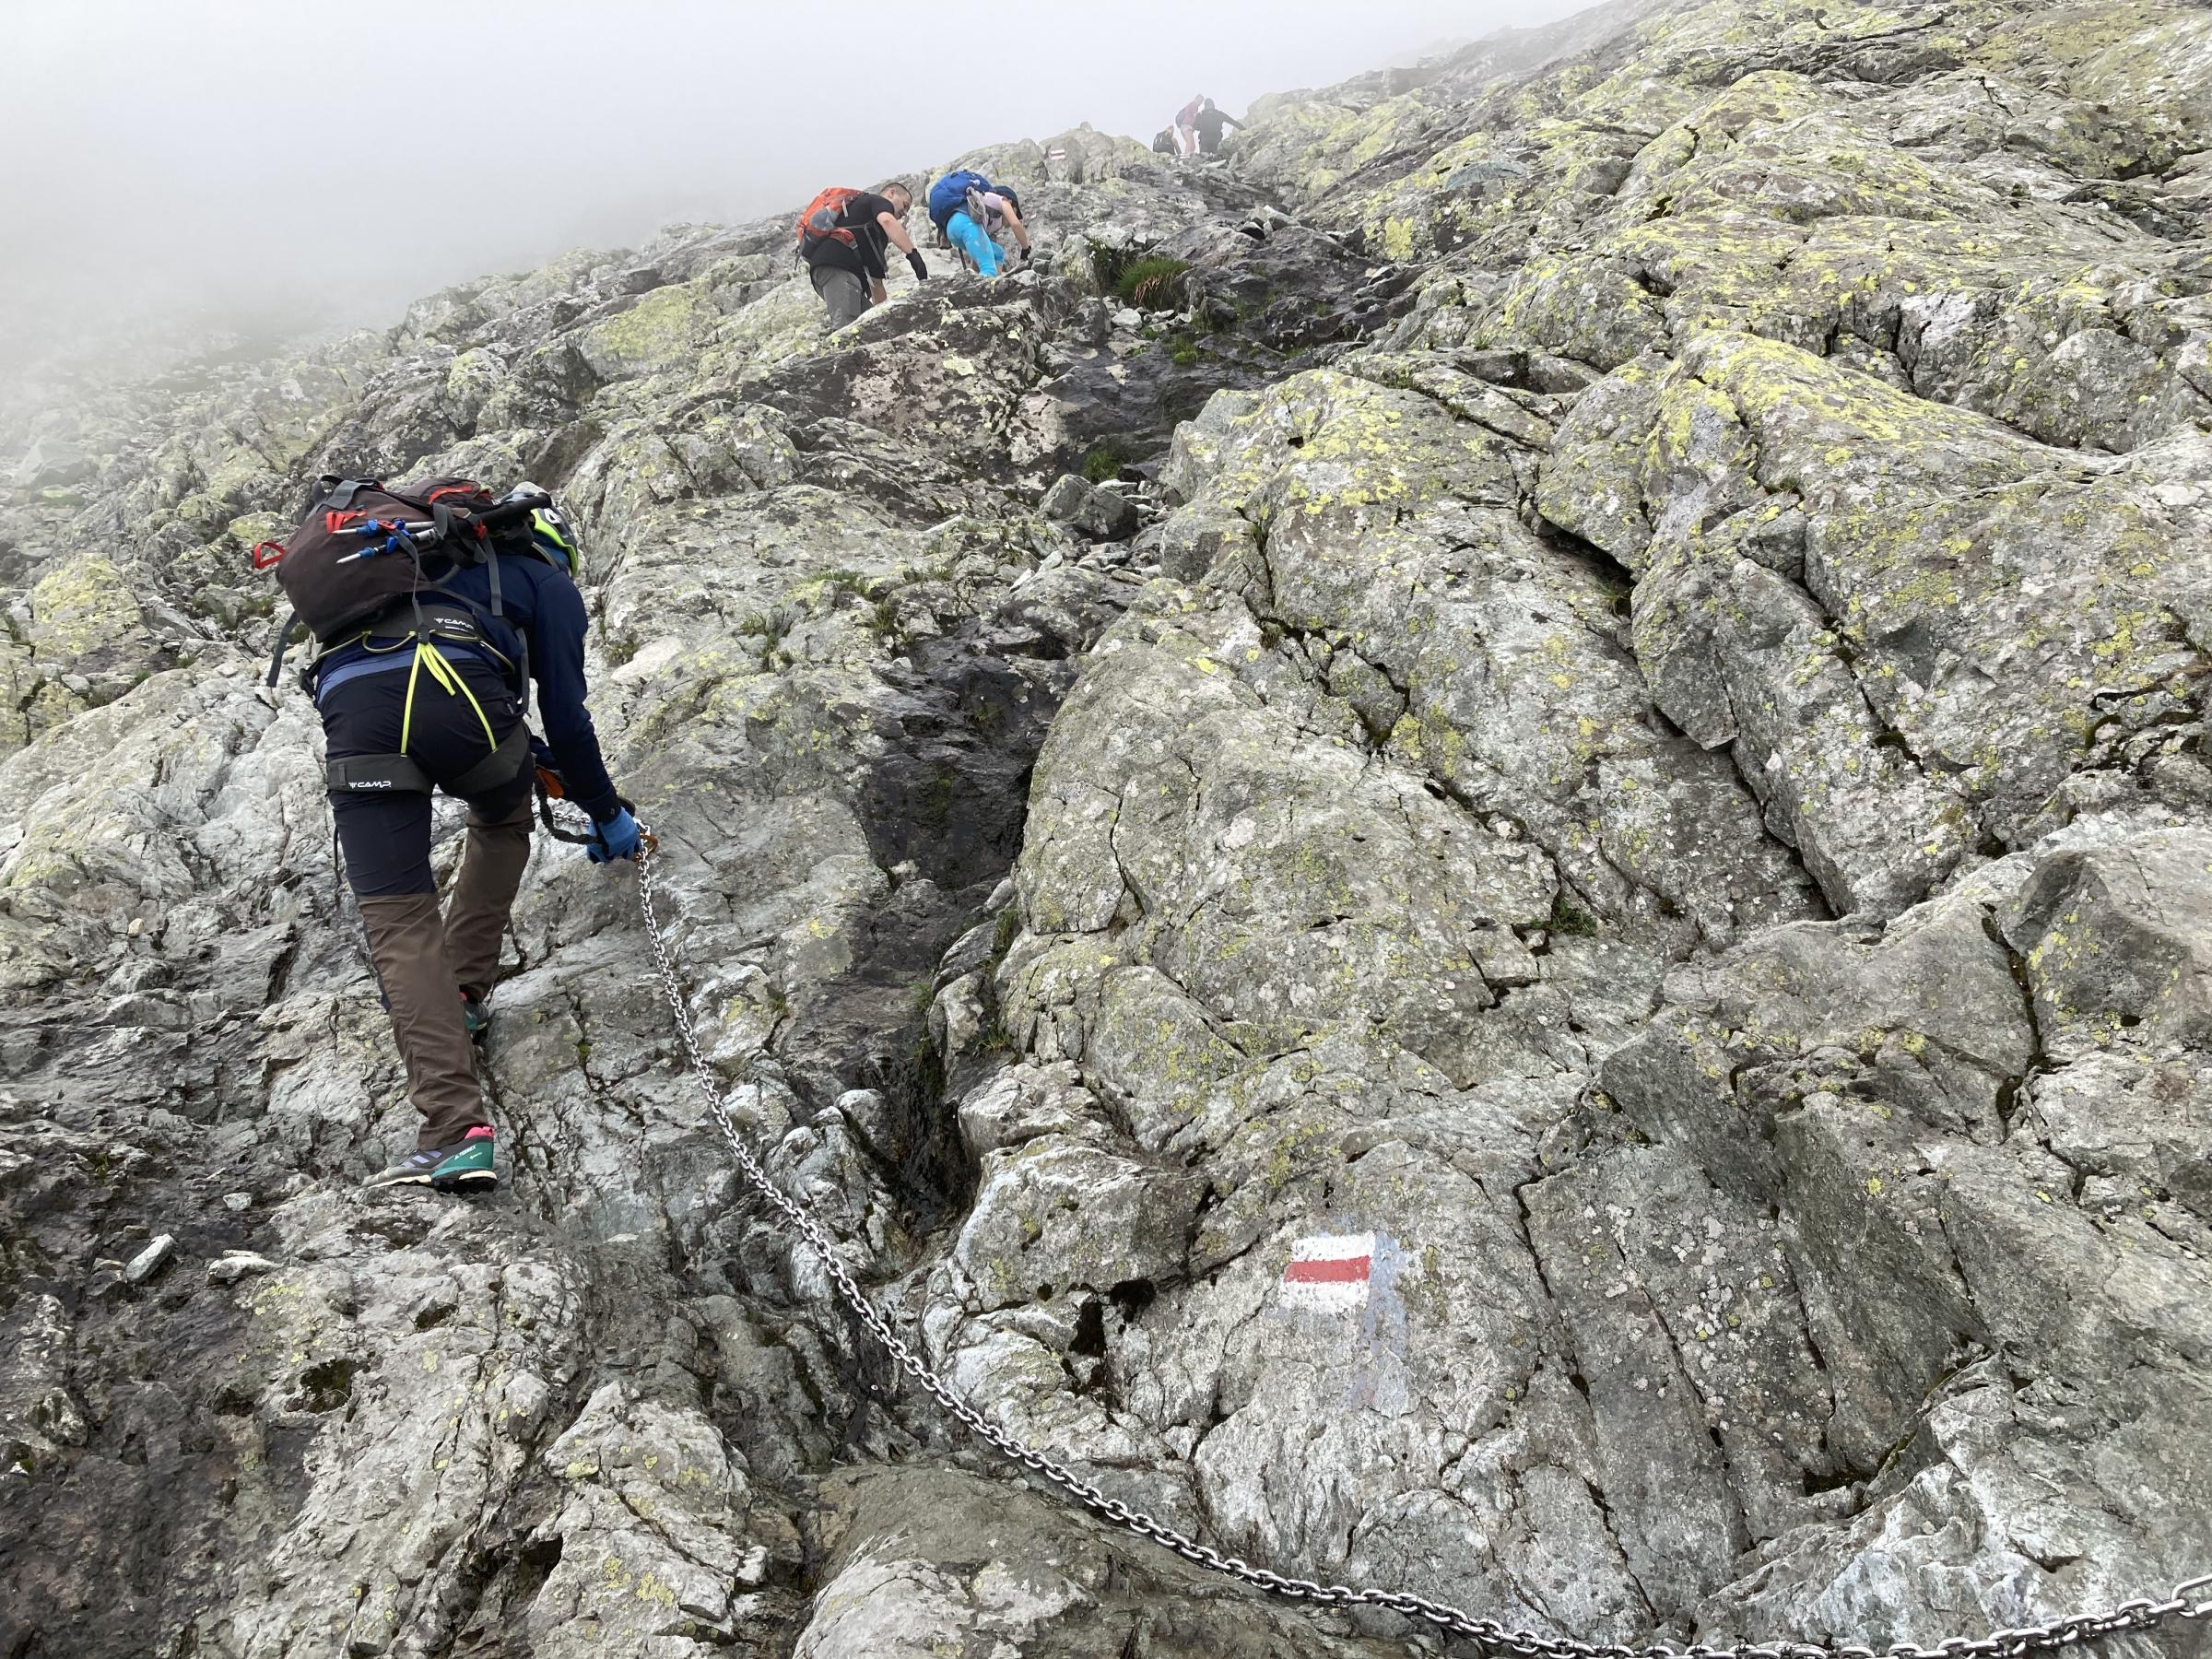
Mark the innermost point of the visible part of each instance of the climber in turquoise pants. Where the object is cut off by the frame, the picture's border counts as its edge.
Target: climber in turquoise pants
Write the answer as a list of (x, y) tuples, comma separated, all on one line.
[(969, 239), (967, 208)]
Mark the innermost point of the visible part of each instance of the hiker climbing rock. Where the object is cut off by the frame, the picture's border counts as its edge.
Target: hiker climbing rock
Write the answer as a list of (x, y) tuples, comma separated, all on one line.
[(1209, 124), (970, 213), (433, 607), (1002, 217), (1186, 124), (845, 237)]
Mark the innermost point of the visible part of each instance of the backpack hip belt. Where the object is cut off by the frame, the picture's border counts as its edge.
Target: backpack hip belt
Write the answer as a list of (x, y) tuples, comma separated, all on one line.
[(450, 623)]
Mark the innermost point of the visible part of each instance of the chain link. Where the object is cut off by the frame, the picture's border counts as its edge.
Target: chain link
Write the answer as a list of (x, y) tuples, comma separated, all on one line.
[(2138, 1615)]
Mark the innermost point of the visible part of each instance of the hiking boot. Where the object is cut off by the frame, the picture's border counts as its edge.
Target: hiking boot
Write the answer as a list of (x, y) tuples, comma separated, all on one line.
[(475, 1014), (459, 1168)]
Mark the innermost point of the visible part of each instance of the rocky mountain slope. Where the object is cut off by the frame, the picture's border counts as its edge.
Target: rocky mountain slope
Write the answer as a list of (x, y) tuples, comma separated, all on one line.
[(1563, 960)]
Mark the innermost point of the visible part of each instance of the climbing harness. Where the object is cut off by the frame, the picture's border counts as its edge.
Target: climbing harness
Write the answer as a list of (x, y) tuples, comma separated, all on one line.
[(2138, 1615), (401, 773)]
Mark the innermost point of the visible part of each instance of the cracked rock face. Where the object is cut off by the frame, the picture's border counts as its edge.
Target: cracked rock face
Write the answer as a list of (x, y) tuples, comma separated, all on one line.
[(1562, 959)]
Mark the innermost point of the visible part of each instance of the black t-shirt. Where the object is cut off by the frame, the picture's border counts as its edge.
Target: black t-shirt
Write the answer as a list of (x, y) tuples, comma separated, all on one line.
[(1211, 121), (868, 258)]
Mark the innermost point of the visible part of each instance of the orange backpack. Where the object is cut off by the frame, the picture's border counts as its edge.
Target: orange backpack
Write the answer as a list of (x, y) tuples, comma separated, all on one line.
[(819, 223)]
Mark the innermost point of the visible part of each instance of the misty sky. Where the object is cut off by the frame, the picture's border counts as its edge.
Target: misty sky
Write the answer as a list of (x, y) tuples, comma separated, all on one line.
[(182, 153)]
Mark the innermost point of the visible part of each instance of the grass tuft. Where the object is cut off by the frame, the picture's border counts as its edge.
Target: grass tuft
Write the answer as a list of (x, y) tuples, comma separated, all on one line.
[(1150, 282), (1570, 922)]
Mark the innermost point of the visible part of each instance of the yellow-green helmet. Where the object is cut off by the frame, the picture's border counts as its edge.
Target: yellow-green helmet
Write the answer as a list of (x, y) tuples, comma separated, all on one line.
[(554, 537)]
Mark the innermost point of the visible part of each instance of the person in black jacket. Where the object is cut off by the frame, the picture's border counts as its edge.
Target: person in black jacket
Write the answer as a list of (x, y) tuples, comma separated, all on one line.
[(848, 268), (441, 680), (1209, 125)]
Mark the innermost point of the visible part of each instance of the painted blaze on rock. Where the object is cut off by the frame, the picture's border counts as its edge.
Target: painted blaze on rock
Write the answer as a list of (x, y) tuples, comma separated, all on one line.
[(1330, 1272)]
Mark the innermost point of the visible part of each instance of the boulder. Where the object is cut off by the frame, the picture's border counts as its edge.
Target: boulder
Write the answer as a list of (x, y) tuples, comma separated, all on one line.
[(1101, 514)]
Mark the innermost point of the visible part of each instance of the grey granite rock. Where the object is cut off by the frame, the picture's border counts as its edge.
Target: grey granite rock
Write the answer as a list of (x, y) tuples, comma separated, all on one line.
[(1579, 985)]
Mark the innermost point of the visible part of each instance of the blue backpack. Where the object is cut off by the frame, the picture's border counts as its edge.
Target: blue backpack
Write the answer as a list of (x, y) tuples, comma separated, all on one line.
[(949, 194)]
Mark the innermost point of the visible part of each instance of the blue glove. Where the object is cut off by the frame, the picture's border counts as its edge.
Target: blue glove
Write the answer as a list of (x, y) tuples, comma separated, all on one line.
[(618, 838)]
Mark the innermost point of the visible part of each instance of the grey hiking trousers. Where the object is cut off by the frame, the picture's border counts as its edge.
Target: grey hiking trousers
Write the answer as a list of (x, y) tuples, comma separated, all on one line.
[(844, 293)]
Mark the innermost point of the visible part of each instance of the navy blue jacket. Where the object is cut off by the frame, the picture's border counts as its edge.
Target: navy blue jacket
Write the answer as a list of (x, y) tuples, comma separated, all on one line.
[(541, 604)]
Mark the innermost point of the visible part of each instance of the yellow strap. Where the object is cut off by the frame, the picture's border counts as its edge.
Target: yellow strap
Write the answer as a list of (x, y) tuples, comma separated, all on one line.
[(407, 718), (449, 678)]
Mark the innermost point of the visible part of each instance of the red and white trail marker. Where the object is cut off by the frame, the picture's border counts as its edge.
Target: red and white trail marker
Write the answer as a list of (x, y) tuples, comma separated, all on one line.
[(1329, 1272)]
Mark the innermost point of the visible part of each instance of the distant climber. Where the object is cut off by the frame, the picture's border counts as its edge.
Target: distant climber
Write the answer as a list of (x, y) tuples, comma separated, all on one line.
[(971, 213), (1186, 125), (1163, 142), (1209, 124), (845, 237), (421, 680)]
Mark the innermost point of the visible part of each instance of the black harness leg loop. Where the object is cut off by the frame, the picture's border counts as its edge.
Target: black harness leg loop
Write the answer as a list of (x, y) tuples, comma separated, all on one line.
[(377, 774), (503, 765)]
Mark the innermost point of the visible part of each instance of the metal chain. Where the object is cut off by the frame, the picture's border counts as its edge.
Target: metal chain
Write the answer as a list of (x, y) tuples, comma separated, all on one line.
[(2138, 1615)]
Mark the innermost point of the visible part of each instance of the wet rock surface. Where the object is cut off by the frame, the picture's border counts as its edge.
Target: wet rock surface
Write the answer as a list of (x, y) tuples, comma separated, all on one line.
[(1504, 888)]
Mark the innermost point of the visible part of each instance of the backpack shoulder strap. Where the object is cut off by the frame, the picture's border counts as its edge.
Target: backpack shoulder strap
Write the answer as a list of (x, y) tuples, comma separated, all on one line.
[(340, 492), (284, 630)]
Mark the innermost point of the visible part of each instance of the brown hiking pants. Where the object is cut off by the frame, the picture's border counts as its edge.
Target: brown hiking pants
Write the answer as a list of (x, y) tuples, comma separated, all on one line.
[(424, 960), (476, 917)]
